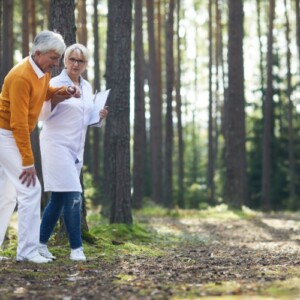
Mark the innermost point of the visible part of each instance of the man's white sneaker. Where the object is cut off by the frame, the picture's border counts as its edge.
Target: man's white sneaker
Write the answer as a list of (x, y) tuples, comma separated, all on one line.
[(38, 259), (77, 254), (43, 251)]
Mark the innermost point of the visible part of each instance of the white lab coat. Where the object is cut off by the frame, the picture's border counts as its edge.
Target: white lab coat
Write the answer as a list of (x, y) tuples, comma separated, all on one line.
[(63, 136)]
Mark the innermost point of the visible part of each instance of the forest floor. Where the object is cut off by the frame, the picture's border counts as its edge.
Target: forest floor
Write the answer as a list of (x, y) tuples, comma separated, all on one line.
[(212, 254)]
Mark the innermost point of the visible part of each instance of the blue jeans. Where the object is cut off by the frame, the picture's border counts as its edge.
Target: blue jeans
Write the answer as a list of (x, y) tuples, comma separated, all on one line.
[(68, 203)]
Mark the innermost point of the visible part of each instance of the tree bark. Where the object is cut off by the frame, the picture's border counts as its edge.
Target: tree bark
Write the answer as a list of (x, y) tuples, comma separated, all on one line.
[(268, 116), (139, 149), (180, 200), (235, 155), (169, 114), (292, 174), (210, 164), (7, 34), (155, 110), (117, 137)]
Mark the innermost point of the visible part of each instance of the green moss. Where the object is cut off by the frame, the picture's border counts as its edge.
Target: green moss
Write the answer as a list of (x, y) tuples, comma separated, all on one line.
[(221, 211), (122, 232), (123, 278), (285, 289), (234, 290), (88, 237)]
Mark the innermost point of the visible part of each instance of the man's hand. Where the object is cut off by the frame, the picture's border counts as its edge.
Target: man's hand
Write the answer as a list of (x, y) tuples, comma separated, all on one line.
[(57, 98), (28, 176)]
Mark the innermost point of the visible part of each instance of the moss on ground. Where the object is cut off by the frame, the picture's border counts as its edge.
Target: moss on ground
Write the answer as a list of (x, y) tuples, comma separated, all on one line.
[(165, 254)]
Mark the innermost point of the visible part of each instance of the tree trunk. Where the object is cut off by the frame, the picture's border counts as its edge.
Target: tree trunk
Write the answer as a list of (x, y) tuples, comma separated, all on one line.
[(218, 92), (97, 87), (25, 28), (117, 137), (7, 34), (63, 21), (81, 22), (268, 116), (210, 164), (180, 200), (169, 114), (235, 155), (297, 8), (292, 174), (32, 20), (139, 149), (261, 61), (155, 110)]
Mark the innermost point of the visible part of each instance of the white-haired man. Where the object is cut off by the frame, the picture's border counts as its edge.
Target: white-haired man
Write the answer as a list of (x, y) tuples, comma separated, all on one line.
[(24, 90)]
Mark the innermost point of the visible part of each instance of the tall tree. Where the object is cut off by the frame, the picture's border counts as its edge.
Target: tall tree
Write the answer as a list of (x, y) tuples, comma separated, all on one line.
[(194, 173), (218, 92), (169, 113), (82, 33), (292, 179), (63, 20), (117, 154), (8, 37), (261, 60), (139, 149), (210, 164), (32, 19), (180, 200), (155, 109), (82, 36), (234, 110), (268, 115), (97, 86), (297, 9), (25, 28)]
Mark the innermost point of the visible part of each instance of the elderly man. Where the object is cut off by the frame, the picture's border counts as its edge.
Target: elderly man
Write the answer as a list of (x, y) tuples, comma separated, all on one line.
[(25, 89)]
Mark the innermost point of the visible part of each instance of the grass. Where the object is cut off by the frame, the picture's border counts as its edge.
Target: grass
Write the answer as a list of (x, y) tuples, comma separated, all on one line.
[(221, 211), (109, 240), (112, 242)]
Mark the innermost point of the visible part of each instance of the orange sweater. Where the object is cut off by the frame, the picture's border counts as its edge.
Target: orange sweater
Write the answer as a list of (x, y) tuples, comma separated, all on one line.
[(21, 100)]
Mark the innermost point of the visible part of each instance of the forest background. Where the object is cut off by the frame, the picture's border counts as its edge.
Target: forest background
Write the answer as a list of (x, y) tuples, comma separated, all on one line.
[(205, 98)]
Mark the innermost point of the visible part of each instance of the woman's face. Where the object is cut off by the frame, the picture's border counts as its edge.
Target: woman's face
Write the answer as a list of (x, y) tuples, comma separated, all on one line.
[(75, 64)]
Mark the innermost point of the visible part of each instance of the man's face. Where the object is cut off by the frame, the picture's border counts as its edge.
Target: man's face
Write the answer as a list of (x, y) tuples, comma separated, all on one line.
[(47, 61)]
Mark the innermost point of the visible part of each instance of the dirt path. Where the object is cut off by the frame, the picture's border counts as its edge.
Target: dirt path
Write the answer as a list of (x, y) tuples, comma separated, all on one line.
[(201, 258)]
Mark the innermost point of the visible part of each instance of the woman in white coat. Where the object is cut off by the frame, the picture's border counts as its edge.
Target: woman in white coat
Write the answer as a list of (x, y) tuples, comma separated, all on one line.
[(62, 142)]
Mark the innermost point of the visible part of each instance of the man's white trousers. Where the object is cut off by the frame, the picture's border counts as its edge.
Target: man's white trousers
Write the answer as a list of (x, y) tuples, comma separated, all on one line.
[(28, 198)]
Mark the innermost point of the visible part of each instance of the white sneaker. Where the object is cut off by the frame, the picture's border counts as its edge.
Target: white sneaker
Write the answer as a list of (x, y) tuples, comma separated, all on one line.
[(43, 251), (77, 254), (38, 259)]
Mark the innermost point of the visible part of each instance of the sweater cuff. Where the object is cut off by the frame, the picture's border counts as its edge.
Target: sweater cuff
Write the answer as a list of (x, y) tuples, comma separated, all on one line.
[(27, 167)]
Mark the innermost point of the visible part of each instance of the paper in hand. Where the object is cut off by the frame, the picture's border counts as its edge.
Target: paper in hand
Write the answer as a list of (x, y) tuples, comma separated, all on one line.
[(99, 103)]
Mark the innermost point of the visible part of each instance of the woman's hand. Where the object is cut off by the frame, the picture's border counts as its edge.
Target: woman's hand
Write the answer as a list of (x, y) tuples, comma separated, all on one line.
[(103, 112), (74, 91)]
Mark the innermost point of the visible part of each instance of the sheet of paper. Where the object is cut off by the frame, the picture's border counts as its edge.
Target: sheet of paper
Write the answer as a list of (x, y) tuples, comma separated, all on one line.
[(99, 103)]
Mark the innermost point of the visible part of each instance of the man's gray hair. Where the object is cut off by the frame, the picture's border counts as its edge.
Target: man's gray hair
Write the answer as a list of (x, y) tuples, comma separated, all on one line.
[(46, 41)]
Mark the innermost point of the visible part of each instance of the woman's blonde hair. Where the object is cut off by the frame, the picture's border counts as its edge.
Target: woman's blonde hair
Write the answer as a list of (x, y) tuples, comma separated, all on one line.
[(77, 47)]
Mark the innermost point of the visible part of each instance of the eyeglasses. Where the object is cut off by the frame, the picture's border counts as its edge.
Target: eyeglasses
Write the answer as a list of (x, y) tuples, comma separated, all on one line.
[(79, 61)]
